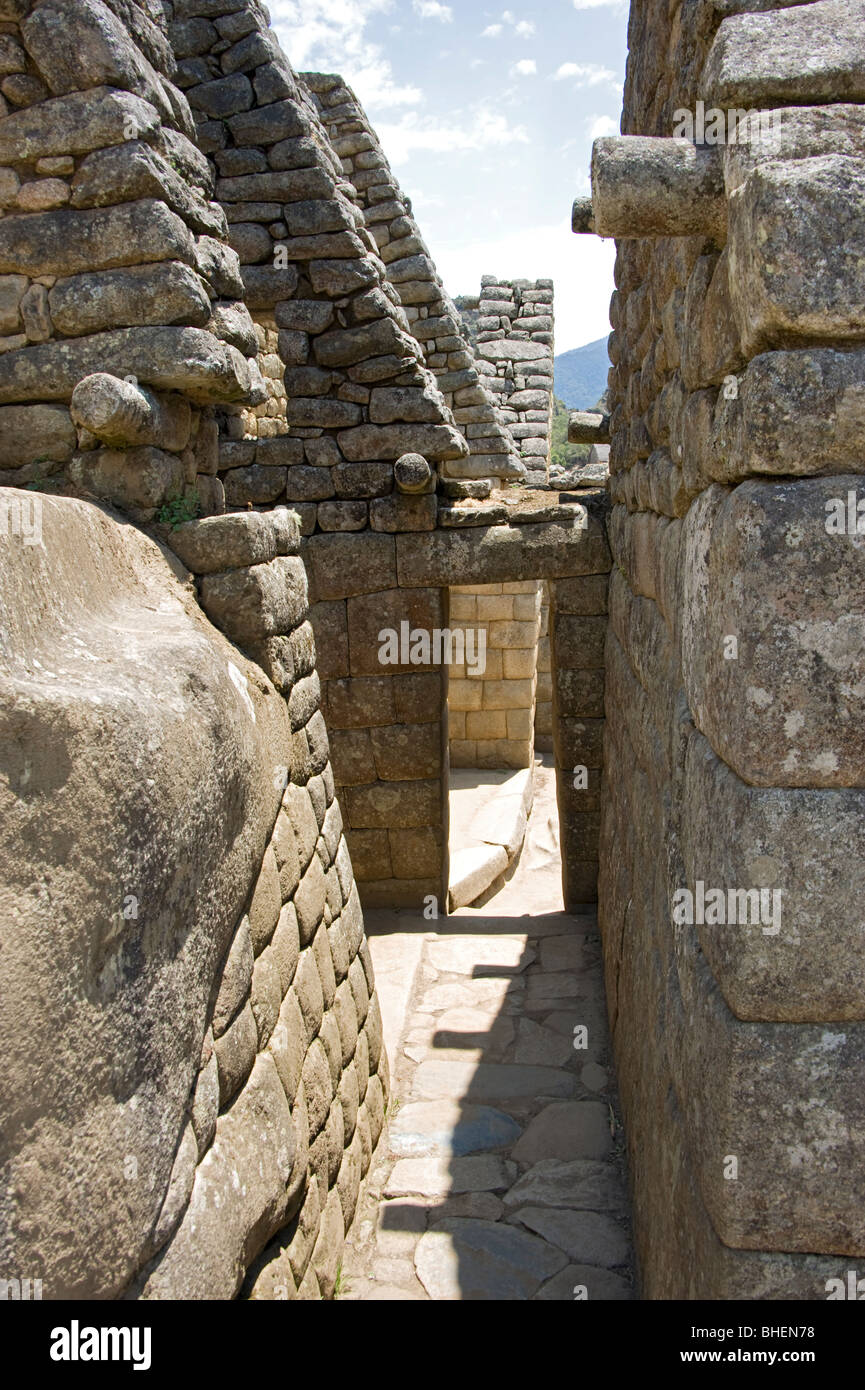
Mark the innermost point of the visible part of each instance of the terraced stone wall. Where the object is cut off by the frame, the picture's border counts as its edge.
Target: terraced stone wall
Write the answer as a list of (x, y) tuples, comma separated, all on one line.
[(733, 675)]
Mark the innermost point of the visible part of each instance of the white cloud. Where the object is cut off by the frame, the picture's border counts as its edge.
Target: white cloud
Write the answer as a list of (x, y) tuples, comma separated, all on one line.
[(328, 35), (492, 31), (600, 4), (525, 28), (481, 131), (585, 74), (526, 67), (581, 266), (431, 9), (601, 125)]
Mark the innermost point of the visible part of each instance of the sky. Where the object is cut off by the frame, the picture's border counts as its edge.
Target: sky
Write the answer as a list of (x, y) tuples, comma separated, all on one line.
[(487, 116)]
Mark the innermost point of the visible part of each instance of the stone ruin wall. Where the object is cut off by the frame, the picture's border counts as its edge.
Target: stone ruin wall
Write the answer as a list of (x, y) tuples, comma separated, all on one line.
[(735, 420), (196, 316), (115, 263)]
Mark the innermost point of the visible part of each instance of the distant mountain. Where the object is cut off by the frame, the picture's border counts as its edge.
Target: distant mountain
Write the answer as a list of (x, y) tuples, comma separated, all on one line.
[(581, 375)]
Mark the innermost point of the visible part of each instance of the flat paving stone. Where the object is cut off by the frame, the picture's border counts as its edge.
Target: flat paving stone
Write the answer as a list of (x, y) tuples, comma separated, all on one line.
[(539, 1046), (600, 1285), (483, 1260), (481, 956), (488, 996), (479, 1206), (448, 1128), (437, 1176), (566, 953), (581, 1184), (489, 1081), (593, 1077), (573, 1129), (589, 1237)]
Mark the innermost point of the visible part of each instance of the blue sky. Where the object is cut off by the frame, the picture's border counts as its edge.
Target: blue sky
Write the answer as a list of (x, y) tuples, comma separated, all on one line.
[(487, 116)]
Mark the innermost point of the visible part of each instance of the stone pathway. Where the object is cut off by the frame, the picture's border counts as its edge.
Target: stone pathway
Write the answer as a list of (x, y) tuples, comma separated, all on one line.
[(502, 1175)]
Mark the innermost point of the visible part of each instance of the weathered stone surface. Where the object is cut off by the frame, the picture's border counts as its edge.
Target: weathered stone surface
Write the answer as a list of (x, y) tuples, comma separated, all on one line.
[(572, 1129), (794, 966), (496, 553), (760, 567), (784, 217), (168, 681), (438, 1176), (236, 541), (171, 359), (69, 241), (29, 433), (259, 601), (76, 124), (580, 1184), (171, 293), (803, 54), (644, 186), (488, 1082), (228, 1222), (135, 479), (463, 1259), (449, 1128), (587, 1236)]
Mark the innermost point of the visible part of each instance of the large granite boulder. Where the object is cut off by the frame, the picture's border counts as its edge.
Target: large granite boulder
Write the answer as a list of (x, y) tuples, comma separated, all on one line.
[(137, 796)]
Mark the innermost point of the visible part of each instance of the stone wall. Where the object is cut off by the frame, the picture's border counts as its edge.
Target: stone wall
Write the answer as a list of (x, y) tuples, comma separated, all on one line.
[(733, 680), (431, 313), (516, 347), (184, 896), (112, 259), (544, 692)]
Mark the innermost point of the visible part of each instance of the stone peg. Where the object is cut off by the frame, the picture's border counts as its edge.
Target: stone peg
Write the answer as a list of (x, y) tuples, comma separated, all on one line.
[(124, 415), (644, 186), (588, 427), (583, 217), (412, 474)]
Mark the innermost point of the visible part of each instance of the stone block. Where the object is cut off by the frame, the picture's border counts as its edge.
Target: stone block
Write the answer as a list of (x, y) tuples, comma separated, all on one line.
[(409, 805), (772, 612), (372, 618), (343, 565), (257, 602), (799, 212)]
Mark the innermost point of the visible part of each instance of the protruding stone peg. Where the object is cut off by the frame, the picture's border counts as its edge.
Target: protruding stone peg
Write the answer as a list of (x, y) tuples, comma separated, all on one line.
[(588, 427), (124, 415), (412, 474), (583, 217), (644, 187)]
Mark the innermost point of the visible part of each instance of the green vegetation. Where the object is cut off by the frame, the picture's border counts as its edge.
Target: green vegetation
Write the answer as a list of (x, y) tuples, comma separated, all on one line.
[(561, 452), (177, 510)]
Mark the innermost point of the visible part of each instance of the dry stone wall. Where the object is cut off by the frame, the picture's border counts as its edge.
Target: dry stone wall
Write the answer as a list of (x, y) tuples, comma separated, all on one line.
[(112, 260), (732, 669), (432, 315), (516, 352), (217, 1080)]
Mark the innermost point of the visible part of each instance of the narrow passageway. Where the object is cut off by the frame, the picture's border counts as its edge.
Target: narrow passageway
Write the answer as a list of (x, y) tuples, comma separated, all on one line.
[(502, 1174)]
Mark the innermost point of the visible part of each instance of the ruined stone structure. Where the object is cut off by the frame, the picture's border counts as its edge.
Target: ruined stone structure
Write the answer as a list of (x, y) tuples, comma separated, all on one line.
[(733, 659), (221, 326), (253, 476)]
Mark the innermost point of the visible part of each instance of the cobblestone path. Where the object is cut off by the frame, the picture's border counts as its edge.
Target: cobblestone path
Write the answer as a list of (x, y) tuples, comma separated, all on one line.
[(502, 1174)]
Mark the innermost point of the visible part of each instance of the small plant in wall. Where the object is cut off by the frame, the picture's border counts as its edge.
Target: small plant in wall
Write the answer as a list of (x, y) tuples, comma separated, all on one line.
[(177, 510)]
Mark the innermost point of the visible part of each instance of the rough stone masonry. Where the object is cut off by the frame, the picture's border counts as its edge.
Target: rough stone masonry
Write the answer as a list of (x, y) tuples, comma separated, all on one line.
[(256, 433), (734, 652), (247, 434)]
